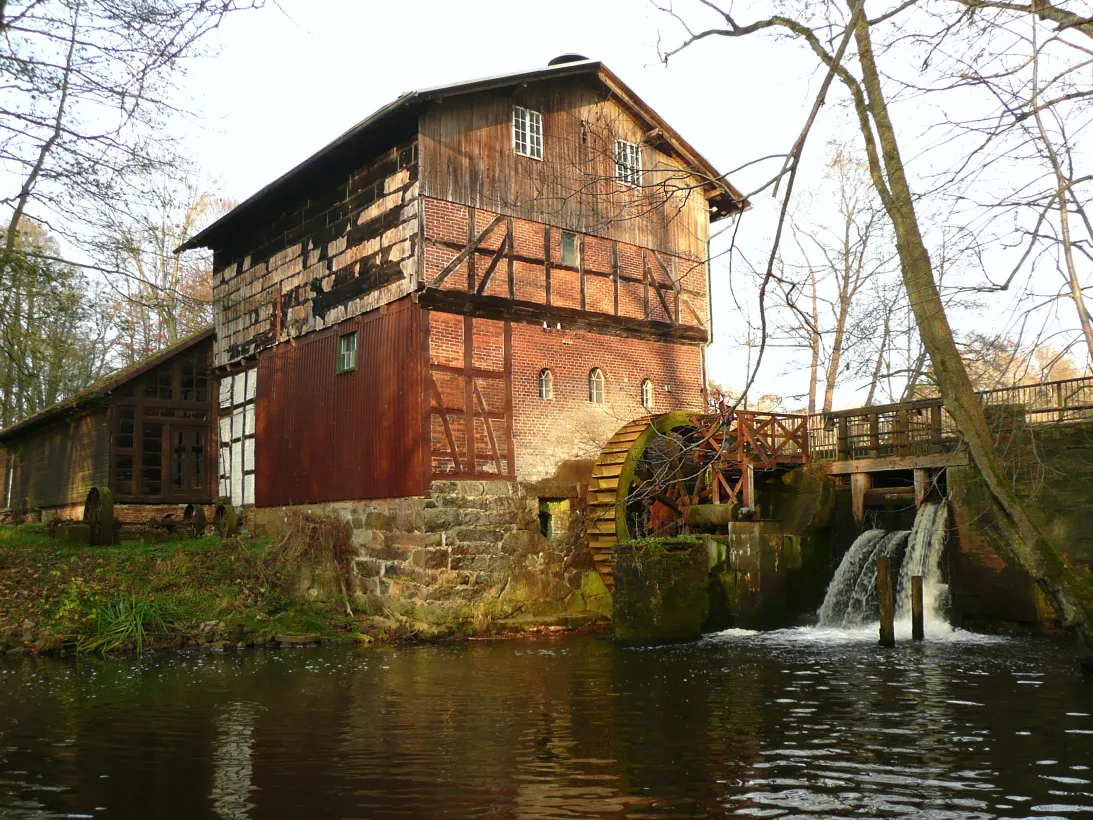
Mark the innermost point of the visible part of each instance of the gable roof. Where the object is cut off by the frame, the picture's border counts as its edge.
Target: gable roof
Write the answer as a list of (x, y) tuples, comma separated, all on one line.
[(104, 386), (398, 119)]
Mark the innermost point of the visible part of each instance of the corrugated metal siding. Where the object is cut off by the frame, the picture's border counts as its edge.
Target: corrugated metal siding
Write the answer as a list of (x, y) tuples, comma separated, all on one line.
[(58, 464), (324, 436)]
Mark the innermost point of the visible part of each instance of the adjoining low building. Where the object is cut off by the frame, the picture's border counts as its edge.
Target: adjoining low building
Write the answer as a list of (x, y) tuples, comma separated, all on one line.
[(144, 439)]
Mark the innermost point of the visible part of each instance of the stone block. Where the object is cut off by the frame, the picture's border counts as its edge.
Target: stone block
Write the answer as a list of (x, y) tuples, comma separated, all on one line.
[(661, 592), (368, 568), (472, 563), (405, 539), (440, 519), (376, 520), (430, 559), (522, 543), (464, 534)]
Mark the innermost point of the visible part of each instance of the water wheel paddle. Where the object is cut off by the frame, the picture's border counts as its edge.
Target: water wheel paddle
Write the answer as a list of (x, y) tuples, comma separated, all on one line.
[(98, 514)]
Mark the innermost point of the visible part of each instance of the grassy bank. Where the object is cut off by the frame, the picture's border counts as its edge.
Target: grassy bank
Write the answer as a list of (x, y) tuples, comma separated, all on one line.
[(203, 592), (191, 592)]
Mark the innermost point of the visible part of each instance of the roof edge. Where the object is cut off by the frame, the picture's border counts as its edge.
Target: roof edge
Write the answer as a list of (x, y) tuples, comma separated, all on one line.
[(106, 384)]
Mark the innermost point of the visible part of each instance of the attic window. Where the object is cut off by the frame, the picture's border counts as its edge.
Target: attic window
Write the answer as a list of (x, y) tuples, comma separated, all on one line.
[(527, 132), (627, 162)]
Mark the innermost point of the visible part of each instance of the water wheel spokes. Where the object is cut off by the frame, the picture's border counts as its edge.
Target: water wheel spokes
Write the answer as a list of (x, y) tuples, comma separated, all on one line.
[(98, 514), (194, 521), (225, 520)]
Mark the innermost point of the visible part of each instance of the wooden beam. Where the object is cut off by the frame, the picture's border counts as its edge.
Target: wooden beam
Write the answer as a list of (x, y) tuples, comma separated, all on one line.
[(471, 256), (580, 273), (922, 484), (859, 483), (499, 307), (546, 261), (488, 275), (510, 238), (615, 271), (880, 465), (468, 394), (467, 253)]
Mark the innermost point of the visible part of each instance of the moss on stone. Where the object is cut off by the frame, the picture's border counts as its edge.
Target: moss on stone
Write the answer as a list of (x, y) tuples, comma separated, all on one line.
[(661, 591)]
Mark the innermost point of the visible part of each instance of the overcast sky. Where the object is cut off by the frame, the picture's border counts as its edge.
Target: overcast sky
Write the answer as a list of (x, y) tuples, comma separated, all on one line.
[(285, 83)]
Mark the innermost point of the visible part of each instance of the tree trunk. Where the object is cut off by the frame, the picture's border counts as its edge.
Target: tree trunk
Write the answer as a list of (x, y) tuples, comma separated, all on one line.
[(1022, 539)]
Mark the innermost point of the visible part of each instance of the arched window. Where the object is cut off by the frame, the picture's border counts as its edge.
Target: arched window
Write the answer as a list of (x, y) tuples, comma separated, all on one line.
[(647, 394), (595, 386), (546, 384)]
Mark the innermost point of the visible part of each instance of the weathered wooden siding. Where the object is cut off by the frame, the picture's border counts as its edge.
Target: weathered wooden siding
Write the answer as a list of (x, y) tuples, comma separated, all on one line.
[(59, 463), (467, 157), (325, 436), (341, 252)]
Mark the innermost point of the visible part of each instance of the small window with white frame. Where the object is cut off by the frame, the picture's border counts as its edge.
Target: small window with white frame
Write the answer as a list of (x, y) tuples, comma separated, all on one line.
[(596, 385), (647, 394), (627, 162), (546, 384), (347, 352), (571, 249), (527, 132)]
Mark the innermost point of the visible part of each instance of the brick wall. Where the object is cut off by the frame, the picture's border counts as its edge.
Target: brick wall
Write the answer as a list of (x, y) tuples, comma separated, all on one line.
[(567, 428), (342, 251)]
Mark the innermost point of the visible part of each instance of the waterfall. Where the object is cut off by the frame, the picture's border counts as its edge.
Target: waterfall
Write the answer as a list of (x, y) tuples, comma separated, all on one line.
[(924, 551), (846, 576), (851, 599)]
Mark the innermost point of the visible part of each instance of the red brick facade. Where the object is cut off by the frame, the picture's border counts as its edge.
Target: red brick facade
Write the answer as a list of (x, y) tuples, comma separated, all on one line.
[(550, 433)]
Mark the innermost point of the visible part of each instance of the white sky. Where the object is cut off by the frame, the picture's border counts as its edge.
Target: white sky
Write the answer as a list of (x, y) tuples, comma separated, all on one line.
[(284, 84)]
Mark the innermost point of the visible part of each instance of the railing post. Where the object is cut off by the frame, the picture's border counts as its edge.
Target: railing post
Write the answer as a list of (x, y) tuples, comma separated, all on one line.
[(842, 446), (902, 428), (935, 425), (874, 434)]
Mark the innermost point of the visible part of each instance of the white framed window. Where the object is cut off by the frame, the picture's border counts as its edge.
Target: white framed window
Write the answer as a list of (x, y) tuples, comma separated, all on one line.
[(595, 386), (627, 162), (238, 436), (571, 249), (647, 394), (347, 353), (546, 384), (527, 132)]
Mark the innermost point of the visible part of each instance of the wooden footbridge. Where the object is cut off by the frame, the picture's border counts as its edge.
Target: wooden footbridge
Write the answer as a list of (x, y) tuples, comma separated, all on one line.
[(659, 474)]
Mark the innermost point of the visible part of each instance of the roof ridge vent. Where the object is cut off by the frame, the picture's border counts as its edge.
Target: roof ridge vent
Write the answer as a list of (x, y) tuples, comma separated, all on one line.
[(562, 59)]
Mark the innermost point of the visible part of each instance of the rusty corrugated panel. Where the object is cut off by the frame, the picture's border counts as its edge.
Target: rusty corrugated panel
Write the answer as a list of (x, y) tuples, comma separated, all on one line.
[(325, 436)]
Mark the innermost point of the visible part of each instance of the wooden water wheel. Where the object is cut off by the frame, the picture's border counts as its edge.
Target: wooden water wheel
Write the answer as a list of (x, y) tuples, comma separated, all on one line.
[(650, 472), (98, 514), (225, 520), (193, 519)]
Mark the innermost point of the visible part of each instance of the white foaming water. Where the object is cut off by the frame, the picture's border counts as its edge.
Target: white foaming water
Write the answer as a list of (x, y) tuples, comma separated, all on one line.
[(841, 588), (851, 600)]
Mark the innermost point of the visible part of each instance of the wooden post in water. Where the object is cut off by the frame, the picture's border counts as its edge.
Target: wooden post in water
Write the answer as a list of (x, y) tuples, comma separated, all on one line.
[(918, 631), (887, 601)]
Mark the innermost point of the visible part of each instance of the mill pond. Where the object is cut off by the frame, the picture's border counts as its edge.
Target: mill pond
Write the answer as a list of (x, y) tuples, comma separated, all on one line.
[(801, 723)]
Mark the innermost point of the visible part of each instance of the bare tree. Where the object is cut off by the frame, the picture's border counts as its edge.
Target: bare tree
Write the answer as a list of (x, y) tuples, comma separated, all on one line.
[(819, 26), (85, 90), (160, 297)]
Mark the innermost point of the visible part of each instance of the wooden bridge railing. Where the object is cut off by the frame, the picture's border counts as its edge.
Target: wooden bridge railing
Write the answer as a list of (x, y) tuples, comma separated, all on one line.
[(924, 427)]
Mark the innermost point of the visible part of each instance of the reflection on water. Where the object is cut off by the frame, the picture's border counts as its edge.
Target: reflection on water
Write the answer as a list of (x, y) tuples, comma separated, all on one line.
[(801, 723)]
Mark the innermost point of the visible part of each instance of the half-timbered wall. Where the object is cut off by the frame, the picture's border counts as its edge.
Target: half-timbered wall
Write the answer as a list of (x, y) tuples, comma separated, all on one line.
[(344, 251), (557, 433), (469, 393), (472, 251), (467, 157), (329, 436)]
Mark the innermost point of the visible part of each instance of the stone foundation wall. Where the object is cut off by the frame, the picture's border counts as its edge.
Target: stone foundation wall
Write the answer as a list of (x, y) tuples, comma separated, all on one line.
[(471, 551)]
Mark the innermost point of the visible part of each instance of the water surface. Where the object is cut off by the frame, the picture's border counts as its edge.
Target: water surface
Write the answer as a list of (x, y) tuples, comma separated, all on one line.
[(797, 723)]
